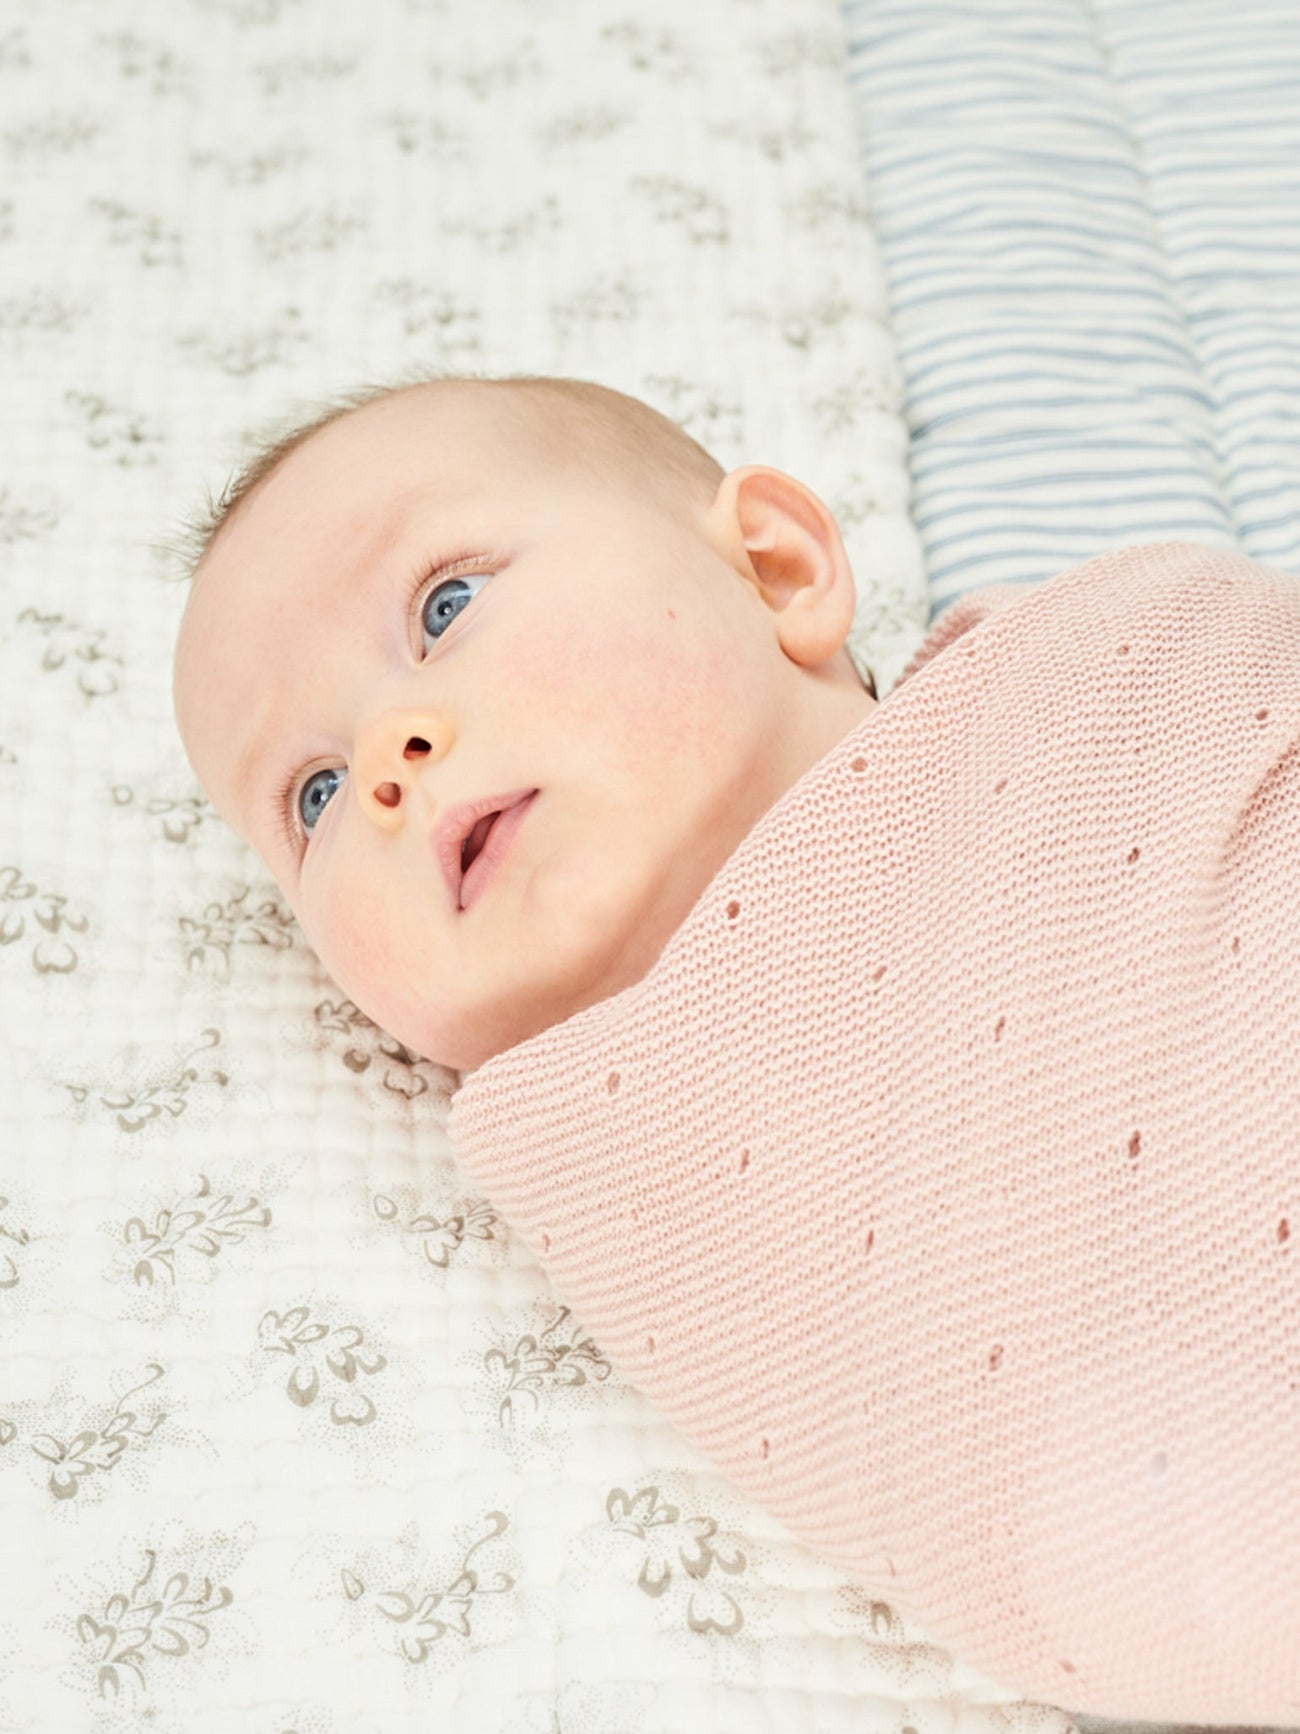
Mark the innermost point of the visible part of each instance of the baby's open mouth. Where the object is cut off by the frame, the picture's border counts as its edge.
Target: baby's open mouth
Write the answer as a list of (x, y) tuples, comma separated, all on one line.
[(472, 838), (476, 839)]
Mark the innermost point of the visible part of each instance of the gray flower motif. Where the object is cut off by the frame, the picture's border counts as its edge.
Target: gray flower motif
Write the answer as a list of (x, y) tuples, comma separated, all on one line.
[(167, 1093), (694, 210), (427, 135), (322, 1354), (140, 61), (24, 523), (488, 78), (118, 433), (582, 125), (454, 322), (399, 1068), (657, 52), (209, 939), (169, 1621), (9, 1271), (306, 232), (422, 1618), (96, 1449), (688, 1552), (251, 168), (202, 1224), (53, 135), (42, 919), (242, 354), (179, 817), (440, 1238), (153, 241), (603, 302), (79, 649), (40, 310), (536, 1366), (780, 56), (295, 71)]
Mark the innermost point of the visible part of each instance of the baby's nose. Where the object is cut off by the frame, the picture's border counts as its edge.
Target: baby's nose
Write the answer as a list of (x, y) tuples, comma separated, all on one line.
[(390, 794), (392, 749)]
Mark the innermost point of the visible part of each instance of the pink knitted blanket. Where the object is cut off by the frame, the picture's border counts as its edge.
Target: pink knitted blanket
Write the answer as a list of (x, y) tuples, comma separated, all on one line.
[(941, 1181)]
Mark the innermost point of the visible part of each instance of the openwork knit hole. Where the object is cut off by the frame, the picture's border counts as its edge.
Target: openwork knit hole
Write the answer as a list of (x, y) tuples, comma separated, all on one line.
[(1135, 1145), (612, 1083), (858, 765), (1261, 715), (995, 1358), (744, 1160), (1133, 855), (999, 786), (650, 1345), (733, 910), (766, 1447), (1123, 649), (1283, 1232)]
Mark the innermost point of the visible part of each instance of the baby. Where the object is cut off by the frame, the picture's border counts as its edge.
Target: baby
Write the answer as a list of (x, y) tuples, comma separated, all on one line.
[(905, 1096), (551, 661)]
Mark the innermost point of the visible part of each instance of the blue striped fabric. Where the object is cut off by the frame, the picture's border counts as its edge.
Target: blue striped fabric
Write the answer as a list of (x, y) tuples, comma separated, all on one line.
[(1090, 217)]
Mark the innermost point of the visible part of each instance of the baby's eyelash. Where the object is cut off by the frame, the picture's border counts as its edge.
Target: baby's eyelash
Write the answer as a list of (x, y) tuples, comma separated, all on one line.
[(284, 794), (424, 579)]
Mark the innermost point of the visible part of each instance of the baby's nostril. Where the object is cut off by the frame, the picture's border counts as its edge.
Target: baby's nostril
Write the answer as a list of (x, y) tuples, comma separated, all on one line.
[(415, 748), (388, 794)]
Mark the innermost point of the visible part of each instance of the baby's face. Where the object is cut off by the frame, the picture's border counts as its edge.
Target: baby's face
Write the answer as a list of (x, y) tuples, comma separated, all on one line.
[(419, 620)]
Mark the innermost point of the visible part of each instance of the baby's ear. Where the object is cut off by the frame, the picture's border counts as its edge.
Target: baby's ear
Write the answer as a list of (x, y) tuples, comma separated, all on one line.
[(785, 542)]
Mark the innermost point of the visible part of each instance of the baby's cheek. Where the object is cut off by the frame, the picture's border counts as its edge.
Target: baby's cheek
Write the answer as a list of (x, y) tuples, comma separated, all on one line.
[(344, 918), (642, 697), (382, 954)]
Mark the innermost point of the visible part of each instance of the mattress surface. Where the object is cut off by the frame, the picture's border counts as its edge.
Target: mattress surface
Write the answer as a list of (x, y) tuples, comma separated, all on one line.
[(1090, 215)]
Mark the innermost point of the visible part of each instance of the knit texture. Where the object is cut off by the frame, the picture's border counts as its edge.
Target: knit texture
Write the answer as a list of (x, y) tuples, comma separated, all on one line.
[(941, 1180)]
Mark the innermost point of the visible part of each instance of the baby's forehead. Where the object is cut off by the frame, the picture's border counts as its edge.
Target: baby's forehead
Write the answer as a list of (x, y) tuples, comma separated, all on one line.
[(444, 450), (336, 483)]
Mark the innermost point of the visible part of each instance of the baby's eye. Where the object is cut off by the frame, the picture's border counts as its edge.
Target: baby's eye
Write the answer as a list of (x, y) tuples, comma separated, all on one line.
[(445, 601), (316, 792)]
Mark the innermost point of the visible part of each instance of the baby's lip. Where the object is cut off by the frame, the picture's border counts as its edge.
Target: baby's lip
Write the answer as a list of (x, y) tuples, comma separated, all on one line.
[(455, 826)]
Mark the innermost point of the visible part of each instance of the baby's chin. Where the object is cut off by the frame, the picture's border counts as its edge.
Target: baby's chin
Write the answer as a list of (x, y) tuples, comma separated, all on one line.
[(500, 1004), (456, 1036)]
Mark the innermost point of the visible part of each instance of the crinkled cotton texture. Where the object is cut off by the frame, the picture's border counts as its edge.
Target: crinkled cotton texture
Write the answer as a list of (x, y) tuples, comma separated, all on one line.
[(942, 1178)]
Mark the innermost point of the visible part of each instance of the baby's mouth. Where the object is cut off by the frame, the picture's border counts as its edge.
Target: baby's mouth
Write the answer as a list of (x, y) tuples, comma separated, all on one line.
[(475, 841), (466, 831)]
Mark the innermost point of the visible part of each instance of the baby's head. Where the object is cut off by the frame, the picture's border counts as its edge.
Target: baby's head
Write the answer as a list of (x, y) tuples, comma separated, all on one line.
[(531, 596)]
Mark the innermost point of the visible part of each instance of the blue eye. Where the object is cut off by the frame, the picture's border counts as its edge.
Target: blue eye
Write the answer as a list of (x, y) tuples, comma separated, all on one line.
[(315, 794), (445, 601)]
